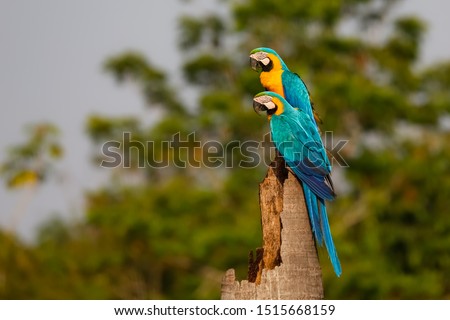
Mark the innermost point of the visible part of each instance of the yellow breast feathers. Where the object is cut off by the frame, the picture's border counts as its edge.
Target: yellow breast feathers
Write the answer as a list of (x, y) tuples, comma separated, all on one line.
[(271, 80)]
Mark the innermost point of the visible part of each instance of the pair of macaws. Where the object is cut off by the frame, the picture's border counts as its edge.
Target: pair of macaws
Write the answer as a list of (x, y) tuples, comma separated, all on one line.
[(295, 133)]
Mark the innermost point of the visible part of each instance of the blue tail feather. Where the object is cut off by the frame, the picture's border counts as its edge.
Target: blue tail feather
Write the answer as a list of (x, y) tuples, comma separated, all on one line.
[(320, 225), (313, 212), (328, 239)]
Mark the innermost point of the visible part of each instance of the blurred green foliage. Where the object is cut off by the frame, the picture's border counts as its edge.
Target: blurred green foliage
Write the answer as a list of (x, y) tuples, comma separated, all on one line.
[(31, 162), (170, 233)]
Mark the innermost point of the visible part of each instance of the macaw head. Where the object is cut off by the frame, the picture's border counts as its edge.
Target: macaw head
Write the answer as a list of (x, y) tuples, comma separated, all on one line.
[(266, 59), (271, 103)]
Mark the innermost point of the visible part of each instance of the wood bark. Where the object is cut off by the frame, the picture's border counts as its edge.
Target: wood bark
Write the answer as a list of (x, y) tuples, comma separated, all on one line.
[(287, 266)]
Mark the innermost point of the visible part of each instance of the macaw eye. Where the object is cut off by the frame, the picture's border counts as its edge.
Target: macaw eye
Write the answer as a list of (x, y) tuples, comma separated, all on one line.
[(266, 64), (272, 110), (270, 107)]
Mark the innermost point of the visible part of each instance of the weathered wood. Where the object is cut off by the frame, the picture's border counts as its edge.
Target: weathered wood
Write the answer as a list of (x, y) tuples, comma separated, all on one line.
[(271, 203), (287, 267)]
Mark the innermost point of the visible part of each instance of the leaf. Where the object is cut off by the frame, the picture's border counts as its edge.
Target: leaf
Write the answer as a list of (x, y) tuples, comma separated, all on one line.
[(23, 178), (55, 151)]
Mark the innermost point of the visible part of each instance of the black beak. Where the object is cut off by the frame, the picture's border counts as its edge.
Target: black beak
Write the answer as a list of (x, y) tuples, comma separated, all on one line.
[(264, 103), (255, 64), (259, 107)]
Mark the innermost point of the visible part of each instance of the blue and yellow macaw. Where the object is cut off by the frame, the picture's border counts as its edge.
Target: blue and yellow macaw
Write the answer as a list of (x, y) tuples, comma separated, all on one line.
[(297, 139), (275, 76)]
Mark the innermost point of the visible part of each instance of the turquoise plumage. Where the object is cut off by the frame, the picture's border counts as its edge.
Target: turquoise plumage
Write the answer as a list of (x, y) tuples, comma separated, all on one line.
[(297, 139), (276, 76)]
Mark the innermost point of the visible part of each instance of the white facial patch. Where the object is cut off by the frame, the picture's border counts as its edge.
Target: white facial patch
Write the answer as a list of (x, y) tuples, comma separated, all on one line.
[(270, 105), (265, 61)]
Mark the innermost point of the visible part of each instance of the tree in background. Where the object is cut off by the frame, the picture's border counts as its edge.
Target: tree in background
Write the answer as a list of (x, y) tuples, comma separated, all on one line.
[(171, 232), (26, 167)]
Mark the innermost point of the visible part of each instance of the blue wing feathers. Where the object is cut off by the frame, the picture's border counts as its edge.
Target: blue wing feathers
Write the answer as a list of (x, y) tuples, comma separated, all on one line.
[(296, 92), (316, 183), (302, 148)]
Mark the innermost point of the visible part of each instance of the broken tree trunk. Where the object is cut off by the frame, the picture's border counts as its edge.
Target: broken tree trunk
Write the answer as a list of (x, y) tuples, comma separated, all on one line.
[(287, 267)]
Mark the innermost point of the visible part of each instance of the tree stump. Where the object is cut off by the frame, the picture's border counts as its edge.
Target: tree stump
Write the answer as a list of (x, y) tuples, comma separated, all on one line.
[(287, 266)]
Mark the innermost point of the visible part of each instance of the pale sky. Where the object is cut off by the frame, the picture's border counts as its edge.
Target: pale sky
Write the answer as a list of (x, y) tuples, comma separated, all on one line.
[(51, 53)]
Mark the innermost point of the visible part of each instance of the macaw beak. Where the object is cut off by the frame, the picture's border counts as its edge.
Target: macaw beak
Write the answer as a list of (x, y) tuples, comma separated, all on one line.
[(263, 104), (259, 107), (254, 63), (259, 60)]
